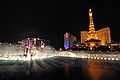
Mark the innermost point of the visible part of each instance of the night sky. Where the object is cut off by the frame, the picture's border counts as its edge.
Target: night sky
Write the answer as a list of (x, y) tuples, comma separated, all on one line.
[(51, 18)]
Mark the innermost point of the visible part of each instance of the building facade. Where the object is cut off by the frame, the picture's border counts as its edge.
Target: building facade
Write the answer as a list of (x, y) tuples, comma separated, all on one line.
[(83, 36), (66, 41), (104, 35)]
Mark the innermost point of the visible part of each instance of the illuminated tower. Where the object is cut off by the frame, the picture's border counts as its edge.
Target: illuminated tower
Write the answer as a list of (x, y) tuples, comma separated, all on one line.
[(91, 33), (92, 39)]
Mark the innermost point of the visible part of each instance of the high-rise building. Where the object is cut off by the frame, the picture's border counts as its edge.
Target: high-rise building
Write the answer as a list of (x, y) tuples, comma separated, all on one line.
[(66, 40), (104, 35)]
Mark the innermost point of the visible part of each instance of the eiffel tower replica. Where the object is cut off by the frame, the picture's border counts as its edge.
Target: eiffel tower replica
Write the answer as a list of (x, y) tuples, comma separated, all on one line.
[(92, 39)]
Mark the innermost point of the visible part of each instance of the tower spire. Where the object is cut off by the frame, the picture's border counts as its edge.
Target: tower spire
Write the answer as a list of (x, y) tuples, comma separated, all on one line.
[(91, 32), (91, 23)]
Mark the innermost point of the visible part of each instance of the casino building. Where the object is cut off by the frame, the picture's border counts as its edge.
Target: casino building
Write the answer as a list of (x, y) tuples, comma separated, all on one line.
[(94, 38)]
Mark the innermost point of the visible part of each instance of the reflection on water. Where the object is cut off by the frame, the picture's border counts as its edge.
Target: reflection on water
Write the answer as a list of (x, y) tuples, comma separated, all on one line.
[(60, 69), (93, 70), (67, 69), (96, 69)]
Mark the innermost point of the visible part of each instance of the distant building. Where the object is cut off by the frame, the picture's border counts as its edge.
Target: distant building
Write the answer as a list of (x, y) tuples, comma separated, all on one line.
[(66, 40), (69, 39), (93, 38), (83, 36), (72, 40), (104, 35)]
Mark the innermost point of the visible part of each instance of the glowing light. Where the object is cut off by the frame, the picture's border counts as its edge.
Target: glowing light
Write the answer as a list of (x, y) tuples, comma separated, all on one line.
[(83, 56), (66, 35), (105, 58), (116, 59), (34, 39), (94, 57), (97, 57), (66, 44), (113, 59), (101, 57), (91, 57), (109, 59), (90, 10)]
